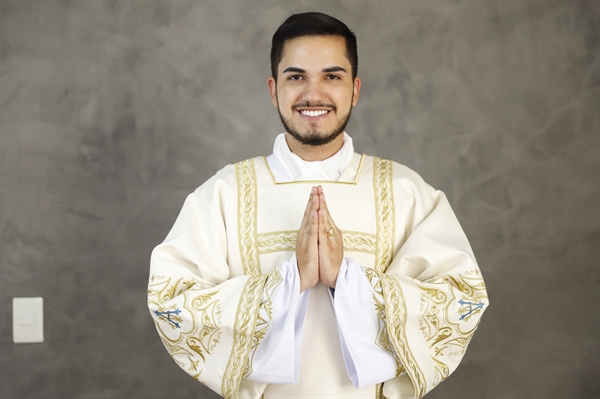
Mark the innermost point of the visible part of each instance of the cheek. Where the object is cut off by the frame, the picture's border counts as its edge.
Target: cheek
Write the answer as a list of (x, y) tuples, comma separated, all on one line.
[(283, 96), (284, 104), (288, 100), (345, 99)]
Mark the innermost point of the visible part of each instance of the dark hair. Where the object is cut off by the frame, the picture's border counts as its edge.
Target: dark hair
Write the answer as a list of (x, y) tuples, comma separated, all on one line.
[(312, 24)]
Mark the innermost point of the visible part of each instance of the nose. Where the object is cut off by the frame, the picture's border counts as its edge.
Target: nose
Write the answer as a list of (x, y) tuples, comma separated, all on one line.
[(313, 92)]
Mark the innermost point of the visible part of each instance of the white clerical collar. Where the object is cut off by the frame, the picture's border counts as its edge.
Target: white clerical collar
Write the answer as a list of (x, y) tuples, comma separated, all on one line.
[(287, 166)]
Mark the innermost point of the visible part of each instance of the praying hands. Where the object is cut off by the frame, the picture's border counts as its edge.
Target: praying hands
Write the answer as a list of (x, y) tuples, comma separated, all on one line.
[(319, 246)]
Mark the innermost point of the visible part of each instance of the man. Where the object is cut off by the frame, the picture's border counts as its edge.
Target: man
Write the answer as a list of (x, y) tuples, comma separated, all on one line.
[(368, 289)]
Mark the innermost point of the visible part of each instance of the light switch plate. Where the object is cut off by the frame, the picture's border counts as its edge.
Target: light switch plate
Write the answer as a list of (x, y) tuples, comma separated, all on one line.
[(28, 320)]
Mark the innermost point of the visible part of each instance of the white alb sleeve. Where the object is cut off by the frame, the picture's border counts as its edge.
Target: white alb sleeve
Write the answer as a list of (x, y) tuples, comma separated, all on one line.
[(277, 357), (358, 326)]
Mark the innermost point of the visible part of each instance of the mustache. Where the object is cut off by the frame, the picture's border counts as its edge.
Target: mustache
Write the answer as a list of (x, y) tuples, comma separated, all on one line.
[(308, 104)]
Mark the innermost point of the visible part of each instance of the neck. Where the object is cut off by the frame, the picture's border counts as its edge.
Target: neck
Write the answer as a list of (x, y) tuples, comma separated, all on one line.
[(311, 153)]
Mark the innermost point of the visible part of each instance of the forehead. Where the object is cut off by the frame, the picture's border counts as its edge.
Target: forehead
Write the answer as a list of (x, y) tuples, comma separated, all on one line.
[(314, 51)]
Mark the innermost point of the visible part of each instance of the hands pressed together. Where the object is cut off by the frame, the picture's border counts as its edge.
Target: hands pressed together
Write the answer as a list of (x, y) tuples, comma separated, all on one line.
[(319, 246)]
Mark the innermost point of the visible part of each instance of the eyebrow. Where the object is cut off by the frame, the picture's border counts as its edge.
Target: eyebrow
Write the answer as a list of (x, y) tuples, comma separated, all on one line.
[(334, 69), (324, 70), (294, 69)]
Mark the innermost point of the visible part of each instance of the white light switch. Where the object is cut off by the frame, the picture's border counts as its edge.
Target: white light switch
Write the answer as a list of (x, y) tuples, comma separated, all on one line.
[(28, 320)]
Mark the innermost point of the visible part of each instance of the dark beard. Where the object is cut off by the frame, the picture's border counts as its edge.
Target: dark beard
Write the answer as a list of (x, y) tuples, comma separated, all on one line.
[(315, 138)]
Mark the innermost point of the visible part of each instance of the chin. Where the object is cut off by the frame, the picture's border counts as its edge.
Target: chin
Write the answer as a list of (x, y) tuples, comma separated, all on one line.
[(313, 138)]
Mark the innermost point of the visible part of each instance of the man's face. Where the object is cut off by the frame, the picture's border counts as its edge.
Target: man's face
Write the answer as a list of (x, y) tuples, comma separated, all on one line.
[(314, 92)]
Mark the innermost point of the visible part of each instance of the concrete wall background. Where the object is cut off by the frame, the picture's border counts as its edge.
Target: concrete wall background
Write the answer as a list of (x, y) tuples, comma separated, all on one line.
[(112, 111)]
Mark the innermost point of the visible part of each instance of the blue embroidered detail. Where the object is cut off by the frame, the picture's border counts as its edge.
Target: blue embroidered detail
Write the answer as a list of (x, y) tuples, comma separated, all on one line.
[(168, 314), (469, 308)]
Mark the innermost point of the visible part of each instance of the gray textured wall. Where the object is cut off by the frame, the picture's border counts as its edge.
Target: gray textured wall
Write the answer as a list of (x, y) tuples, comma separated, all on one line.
[(112, 111)]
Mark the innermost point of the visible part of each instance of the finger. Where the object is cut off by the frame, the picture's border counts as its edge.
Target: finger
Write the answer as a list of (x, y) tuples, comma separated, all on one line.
[(313, 222), (328, 218), (321, 224), (328, 225), (315, 206), (309, 203), (323, 202), (330, 221), (313, 231), (309, 206)]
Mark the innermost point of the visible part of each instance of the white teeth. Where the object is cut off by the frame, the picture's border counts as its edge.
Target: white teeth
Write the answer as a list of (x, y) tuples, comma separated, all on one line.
[(313, 113)]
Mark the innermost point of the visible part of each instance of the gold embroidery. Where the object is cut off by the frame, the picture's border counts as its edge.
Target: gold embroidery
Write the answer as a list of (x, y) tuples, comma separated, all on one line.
[(169, 315), (197, 377), (194, 365), (445, 320), (193, 324), (357, 241), (384, 211), (243, 335), (392, 315), (161, 291), (279, 241), (209, 313), (383, 338), (379, 391), (265, 315), (247, 216), (315, 181), (396, 312)]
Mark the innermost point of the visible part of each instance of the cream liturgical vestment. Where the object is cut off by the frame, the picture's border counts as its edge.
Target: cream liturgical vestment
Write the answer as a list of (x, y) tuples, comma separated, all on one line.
[(224, 288)]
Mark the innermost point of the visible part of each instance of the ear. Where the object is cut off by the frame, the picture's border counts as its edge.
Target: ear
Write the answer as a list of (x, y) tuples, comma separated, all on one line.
[(356, 91), (272, 90)]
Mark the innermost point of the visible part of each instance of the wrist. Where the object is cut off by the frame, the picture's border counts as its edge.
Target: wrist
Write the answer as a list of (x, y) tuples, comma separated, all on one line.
[(306, 284), (331, 284), (330, 280)]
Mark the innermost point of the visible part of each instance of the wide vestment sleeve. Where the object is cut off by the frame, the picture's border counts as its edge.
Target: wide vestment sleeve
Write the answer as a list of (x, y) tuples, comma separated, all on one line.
[(206, 309), (429, 294)]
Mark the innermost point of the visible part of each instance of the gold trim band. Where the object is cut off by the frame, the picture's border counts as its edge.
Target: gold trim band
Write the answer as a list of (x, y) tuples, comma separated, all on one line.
[(384, 211), (243, 334), (285, 240), (247, 216)]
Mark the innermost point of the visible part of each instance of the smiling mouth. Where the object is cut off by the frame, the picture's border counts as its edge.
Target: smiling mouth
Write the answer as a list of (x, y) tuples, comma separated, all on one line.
[(313, 109), (307, 112)]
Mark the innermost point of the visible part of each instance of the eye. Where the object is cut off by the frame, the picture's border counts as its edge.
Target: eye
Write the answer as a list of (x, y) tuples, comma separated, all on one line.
[(332, 76), (294, 77)]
